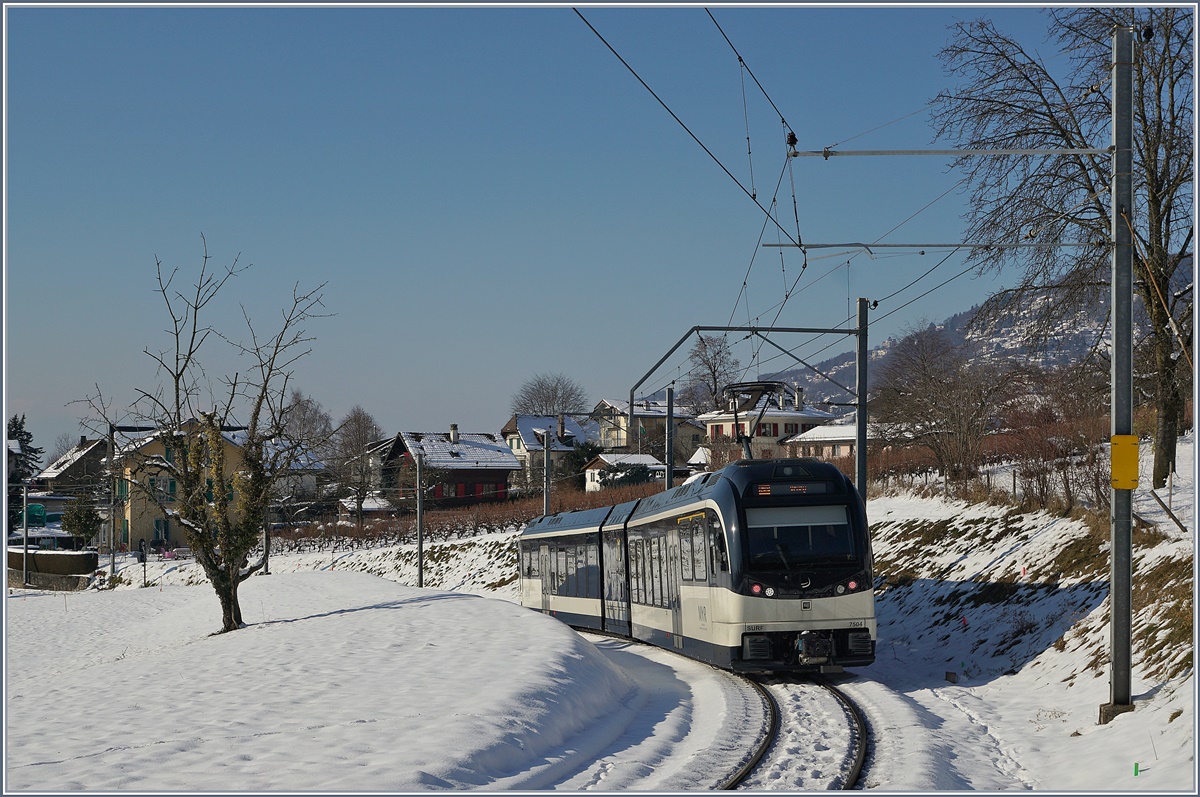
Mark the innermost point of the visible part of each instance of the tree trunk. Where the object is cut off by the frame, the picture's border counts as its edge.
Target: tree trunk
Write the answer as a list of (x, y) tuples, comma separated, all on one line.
[(226, 587), (1166, 431)]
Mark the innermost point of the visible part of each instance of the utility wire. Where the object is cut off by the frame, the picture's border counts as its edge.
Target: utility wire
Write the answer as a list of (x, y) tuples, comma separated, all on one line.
[(686, 129), (748, 70)]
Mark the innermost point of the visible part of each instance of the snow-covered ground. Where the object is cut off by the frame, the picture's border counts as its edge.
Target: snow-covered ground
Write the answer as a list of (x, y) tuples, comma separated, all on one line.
[(350, 679)]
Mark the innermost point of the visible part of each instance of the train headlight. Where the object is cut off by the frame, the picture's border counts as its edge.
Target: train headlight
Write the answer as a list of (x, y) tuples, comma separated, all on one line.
[(840, 588), (770, 592)]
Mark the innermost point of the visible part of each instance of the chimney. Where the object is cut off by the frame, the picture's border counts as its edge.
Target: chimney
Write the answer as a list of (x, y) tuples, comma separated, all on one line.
[(562, 426), (799, 396), (454, 434), (82, 440)]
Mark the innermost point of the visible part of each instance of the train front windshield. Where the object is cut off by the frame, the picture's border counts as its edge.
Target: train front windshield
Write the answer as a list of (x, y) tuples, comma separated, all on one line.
[(787, 538)]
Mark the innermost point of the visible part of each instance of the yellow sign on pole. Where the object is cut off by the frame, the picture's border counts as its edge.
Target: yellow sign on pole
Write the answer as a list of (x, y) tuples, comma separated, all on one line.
[(1124, 462)]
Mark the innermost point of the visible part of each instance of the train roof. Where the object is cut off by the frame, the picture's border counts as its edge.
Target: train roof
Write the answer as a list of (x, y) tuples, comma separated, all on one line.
[(740, 474)]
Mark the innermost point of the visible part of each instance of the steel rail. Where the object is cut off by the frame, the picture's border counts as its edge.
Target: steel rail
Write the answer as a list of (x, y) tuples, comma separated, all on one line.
[(769, 703), (862, 735), (765, 743)]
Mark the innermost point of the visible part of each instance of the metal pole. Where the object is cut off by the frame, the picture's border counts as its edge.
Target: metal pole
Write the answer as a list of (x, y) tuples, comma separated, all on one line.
[(670, 452), (25, 529), (112, 500), (420, 521), (1121, 562), (860, 444), (546, 472)]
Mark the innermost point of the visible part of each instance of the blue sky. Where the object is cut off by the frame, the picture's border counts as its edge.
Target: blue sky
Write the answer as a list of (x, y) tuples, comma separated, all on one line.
[(487, 192)]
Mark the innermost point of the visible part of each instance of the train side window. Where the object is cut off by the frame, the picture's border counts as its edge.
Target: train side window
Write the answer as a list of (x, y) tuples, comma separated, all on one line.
[(698, 546), (685, 553), (657, 575), (562, 569), (651, 567), (635, 571)]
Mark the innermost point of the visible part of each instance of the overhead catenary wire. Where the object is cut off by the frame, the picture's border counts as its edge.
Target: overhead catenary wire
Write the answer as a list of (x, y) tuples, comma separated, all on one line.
[(686, 129)]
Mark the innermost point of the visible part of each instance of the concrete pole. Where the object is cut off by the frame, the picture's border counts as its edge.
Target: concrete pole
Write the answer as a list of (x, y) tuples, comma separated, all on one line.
[(1121, 561), (670, 452), (860, 437)]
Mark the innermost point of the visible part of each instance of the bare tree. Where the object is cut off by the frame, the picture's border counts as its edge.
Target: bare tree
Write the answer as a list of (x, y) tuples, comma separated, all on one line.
[(935, 394), (220, 507), (550, 394), (1008, 98), (354, 439), (62, 444), (713, 367)]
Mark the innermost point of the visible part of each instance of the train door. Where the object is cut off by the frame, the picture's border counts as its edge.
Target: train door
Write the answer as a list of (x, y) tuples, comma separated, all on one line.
[(673, 587), (695, 575), (545, 567), (614, 563)]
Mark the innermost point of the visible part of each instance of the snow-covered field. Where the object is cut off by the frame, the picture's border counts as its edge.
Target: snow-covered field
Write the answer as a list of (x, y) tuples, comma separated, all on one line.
[(350, 679)]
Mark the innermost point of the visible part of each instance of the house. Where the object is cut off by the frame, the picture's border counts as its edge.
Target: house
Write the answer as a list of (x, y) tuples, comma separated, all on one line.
[(462, 467), (650, 420), (780, 420), (374, 507), (829, 442), (596, 467), (80, 469), (140, 518), (529, 436)]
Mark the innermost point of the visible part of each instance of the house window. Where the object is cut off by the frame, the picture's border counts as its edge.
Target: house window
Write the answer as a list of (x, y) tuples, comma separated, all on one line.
[(715, 431)]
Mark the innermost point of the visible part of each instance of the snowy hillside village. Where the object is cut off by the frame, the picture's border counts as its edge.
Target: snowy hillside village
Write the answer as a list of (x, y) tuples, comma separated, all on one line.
[(992, 666), (991, 560)]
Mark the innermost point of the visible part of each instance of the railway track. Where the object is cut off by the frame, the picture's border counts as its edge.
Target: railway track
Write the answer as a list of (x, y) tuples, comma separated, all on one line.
[(793, 757), (768, 750), (764, 744)]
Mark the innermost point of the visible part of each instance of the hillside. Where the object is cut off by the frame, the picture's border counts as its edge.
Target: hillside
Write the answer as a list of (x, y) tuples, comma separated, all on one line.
[(1068, 342), (1014, 588)]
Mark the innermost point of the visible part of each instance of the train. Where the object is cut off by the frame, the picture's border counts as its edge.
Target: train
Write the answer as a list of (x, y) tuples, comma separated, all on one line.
[(763, 566)]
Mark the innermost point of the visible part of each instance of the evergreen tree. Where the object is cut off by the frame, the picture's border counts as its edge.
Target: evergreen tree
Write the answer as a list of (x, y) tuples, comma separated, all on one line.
[(81, 518), (28, 461)]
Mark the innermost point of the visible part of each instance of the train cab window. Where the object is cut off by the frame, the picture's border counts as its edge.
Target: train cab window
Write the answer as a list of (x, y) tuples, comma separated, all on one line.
[(720, 559), (782, 538)]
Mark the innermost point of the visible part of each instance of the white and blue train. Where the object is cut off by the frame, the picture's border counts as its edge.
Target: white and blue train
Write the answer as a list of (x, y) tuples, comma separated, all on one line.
[(762, 566)]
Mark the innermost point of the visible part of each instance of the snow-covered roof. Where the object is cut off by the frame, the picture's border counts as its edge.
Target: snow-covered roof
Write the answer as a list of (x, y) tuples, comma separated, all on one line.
[(56, 468), (649, 408), (701, 457), (533, 428), (14, 447), (474, 450), (625, 461), (842, 432), (371, 503), (772, 413)]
